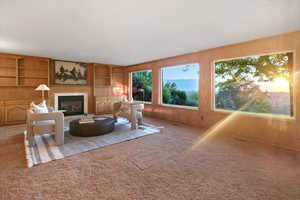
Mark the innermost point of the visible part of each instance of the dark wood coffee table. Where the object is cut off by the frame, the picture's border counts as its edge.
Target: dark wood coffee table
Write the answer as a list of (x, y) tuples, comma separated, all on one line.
[(101, 126)]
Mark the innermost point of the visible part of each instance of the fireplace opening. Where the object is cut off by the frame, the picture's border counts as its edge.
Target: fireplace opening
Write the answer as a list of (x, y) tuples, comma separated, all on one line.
[(71, 105)]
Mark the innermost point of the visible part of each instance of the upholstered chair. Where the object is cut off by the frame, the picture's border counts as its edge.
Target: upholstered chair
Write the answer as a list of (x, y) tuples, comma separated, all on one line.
[(40, 123), (133, 111)]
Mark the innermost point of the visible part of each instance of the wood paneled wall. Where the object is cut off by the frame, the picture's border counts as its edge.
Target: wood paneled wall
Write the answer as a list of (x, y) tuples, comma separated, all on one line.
[(271, 130)]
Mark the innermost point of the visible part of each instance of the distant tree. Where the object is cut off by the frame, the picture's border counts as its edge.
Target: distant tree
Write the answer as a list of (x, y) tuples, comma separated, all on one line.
[(245, 97), (192, 98), (166, 95), (171, 95)]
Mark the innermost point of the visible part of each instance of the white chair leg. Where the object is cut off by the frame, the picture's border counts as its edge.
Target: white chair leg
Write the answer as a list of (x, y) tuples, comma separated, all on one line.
[(59, 133), (31, 140), (133, 119), (59, 139), (29, 136), (140, 119)]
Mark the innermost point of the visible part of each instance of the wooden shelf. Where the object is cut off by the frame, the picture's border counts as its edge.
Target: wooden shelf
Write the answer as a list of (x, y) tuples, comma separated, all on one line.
[(23, 71), (8, 76), (32, 77), (8, 67), (102, 79)]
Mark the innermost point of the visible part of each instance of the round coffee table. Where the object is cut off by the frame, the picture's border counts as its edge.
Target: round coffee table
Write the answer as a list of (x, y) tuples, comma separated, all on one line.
[(101, 126)]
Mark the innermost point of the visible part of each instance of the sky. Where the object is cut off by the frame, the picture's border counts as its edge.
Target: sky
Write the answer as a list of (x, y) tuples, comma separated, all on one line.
[(177, 73)]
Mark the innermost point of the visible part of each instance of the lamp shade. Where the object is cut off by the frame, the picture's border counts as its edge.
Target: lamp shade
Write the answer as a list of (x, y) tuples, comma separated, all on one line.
[(42, 87)]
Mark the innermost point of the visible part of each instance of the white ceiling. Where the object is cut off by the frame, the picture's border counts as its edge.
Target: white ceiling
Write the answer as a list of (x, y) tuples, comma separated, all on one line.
[(127, 32)]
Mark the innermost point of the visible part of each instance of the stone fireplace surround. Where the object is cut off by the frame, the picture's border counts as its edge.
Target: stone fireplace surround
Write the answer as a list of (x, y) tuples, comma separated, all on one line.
[(85, 97)]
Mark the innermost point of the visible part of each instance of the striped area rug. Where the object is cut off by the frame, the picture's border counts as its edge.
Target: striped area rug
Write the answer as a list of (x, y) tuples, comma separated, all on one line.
[(46, 150)]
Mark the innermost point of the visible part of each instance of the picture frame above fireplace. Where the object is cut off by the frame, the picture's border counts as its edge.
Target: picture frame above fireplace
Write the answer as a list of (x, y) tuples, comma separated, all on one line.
[(70, 73)]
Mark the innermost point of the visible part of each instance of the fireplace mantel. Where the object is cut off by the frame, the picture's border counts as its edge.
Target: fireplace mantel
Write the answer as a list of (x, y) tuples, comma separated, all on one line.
[(85, 96)]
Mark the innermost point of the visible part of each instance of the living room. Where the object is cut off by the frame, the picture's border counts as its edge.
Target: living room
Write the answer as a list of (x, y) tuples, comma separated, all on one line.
[(129, 100)]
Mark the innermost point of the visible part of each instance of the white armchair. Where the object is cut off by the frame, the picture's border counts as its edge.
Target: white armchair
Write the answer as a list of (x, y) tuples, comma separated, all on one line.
[(39, 123), (133, 111)]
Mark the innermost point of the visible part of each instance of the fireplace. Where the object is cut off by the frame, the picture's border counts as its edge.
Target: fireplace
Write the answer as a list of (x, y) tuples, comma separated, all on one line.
[(71, 103)]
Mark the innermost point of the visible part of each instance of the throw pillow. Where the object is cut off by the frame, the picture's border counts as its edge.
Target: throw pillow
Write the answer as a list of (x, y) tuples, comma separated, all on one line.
[(40, 108)]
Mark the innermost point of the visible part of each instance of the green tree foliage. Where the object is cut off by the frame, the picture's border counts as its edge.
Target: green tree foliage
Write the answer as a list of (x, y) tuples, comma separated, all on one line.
[(192, 98), (236, 81), (171, 95), (263, 68), (142, 85)]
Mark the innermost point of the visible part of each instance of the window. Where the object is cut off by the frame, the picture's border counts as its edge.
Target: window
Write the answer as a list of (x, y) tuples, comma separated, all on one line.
[(257, 84), (142, 85), (180, 85)]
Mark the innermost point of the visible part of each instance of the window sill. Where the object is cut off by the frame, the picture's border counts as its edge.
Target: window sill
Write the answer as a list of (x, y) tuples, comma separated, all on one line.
[(257, 115), (144, 102), (178, 106)]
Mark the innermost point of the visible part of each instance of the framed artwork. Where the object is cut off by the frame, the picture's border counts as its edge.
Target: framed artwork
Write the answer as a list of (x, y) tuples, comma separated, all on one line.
[(70, 73)]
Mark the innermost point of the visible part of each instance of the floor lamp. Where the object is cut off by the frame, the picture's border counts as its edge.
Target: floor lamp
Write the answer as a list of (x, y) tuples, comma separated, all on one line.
[(42, 88)]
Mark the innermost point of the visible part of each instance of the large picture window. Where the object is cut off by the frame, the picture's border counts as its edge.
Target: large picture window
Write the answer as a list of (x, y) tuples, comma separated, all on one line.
[(180, 85), (142, 85), (257, 84)]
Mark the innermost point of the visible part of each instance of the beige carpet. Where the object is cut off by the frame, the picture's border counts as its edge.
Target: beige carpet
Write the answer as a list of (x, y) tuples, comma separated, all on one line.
[(160, 166)]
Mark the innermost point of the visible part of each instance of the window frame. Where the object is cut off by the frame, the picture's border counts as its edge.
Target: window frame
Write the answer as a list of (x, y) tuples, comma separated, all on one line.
[(130, 86), (259, 115), (161, 88)]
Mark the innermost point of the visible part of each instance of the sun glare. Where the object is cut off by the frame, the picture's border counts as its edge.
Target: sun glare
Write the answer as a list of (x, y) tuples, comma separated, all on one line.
[(280, 85), (277, 85)]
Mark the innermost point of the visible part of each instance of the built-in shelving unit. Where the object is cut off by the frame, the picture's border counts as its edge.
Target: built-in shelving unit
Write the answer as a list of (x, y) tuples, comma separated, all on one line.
[(102, 79), (103, 75), (19, 75), (108, 87), (23, 71), (8, 71)]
